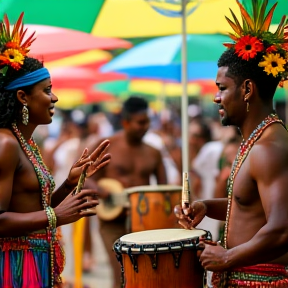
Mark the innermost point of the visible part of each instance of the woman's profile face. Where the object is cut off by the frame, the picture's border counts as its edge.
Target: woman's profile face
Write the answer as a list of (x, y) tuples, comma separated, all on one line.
[(40, 103)]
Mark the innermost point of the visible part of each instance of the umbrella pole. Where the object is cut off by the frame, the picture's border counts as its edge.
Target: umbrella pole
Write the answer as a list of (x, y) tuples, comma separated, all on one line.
[(184, 98)]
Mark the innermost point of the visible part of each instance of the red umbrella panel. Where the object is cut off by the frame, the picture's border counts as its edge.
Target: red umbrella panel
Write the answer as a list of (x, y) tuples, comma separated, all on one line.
[(53, 43), (73, 86), (92, 59), (80, 78), (71, 98)]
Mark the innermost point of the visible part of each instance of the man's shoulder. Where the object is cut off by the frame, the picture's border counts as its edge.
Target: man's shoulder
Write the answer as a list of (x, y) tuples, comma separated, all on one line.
[(275, 139), (271, 150)]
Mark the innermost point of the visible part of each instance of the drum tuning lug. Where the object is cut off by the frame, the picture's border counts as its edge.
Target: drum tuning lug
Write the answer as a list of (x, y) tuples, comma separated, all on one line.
[(177, 258), (208, 235), (153, 258), (117, 247), (133, 259)]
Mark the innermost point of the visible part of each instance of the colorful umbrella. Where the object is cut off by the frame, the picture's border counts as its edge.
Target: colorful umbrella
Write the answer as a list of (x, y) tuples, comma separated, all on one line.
[(71, 98), (80, 78), (160, 58), (124, 88), (92, 59), (281, 94), (54, 43), (73, 86), (78, 15), (135, 18)]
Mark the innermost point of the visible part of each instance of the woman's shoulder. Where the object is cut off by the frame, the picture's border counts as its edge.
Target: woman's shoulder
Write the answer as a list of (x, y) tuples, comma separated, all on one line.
[(8, 141)]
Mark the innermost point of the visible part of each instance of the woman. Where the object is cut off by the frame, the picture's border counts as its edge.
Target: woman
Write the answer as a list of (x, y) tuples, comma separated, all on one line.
[(30, 252)]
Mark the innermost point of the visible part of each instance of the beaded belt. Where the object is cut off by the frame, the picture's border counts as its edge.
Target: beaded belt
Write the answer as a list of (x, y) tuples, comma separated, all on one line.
[(25, 261), (262, 275)]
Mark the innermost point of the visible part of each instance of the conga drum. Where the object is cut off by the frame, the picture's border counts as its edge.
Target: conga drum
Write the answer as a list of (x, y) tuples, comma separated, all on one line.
[(160, 258), (151, 207)]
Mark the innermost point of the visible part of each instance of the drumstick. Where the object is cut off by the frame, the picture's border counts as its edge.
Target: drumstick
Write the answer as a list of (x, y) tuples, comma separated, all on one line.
[(185, 190), (81, 181)]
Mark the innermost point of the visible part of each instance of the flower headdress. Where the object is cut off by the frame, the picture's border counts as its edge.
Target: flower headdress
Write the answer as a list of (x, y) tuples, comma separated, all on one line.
[(12, 50), (253, 38)]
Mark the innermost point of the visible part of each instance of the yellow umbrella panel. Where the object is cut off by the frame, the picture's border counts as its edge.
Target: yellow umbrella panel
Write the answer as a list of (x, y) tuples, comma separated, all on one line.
[(136, 18), (71, 98), (155, 88), (81, 59)]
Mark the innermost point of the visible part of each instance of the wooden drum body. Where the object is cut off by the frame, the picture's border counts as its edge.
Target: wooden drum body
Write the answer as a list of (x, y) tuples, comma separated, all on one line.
[(151, 207), (160, 258)]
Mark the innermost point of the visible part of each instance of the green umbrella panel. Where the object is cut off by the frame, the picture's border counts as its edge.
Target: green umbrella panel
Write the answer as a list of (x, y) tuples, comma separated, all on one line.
[(121, 89), (75, 14), (281, 95)]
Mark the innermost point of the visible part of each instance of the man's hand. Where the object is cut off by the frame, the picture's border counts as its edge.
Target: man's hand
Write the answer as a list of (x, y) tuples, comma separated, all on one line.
[(213, 257), (190, 217)]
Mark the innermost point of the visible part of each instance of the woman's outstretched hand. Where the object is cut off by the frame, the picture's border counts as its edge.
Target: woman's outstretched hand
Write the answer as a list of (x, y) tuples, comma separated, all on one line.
[(74, 207), (90, 161)]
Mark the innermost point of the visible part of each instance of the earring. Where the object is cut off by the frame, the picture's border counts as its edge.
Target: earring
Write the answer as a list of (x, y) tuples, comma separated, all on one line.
[(247, 106), (25, 114)]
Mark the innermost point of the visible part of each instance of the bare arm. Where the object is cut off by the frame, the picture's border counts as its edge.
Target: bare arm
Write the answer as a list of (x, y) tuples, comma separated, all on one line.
[(13, 224), (193, 215), (269, 168), (216, 208)]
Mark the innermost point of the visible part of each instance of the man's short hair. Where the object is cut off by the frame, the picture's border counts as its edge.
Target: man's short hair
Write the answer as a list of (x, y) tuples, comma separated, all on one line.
[(133, 105), (239, 70)]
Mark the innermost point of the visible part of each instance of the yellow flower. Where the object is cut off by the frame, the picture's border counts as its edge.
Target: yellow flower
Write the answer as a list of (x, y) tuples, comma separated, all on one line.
[(15, 57), (273, 64)]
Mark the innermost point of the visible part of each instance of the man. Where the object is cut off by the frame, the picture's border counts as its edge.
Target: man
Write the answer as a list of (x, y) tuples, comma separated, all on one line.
[(132, 164), (254, 251)]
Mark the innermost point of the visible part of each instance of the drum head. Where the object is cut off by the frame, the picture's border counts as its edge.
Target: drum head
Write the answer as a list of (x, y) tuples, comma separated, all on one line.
[(161, 236)]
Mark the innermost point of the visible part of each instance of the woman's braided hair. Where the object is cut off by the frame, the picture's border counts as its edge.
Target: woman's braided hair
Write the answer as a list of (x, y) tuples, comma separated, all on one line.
[(10, 107)]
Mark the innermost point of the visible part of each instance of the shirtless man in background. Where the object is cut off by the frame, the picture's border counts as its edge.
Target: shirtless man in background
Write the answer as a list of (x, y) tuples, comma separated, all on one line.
[(132, 164)]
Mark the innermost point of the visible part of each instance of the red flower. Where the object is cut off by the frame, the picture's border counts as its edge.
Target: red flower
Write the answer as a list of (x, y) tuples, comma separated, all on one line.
[(271, 49), (15, 65), (248, 46), (285, 45)]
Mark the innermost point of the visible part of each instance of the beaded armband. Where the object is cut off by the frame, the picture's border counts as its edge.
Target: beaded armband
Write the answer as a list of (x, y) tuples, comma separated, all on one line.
[(52, 220)]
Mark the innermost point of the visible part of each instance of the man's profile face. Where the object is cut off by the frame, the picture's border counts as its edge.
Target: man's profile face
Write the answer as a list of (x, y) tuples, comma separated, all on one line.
[(138, 125), (228, 98)]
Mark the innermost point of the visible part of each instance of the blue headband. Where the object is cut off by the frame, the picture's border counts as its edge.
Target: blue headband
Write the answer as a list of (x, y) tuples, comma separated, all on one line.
[(29, 79)]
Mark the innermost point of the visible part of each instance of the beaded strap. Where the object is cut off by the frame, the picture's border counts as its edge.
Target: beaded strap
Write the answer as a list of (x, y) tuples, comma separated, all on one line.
[(52, 220)]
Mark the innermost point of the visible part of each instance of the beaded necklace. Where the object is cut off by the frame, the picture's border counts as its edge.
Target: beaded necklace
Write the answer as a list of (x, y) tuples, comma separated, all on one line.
[(46, 182), (242, 153)]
